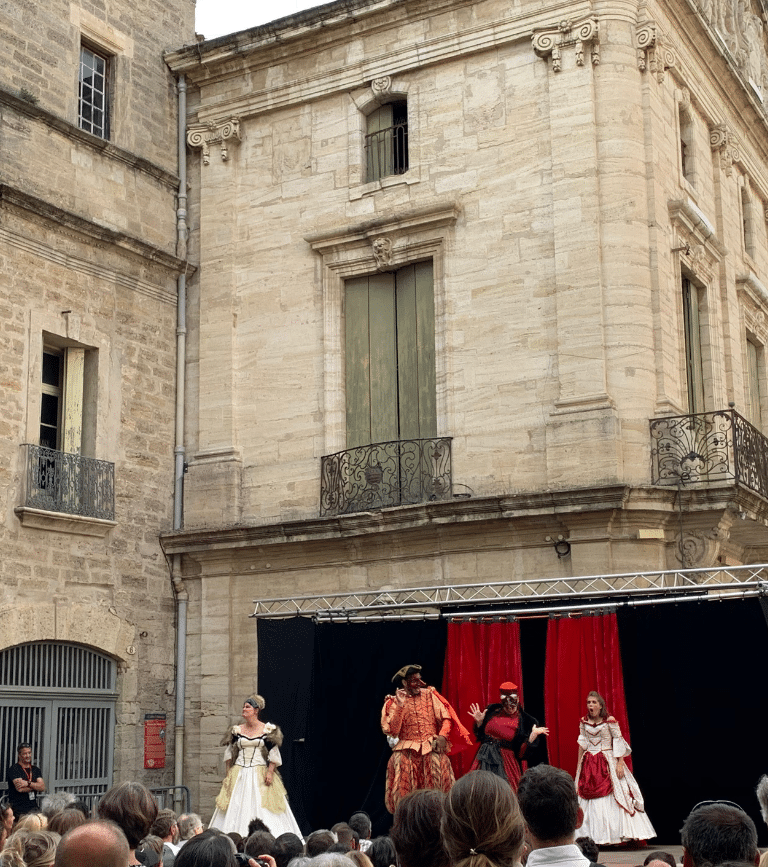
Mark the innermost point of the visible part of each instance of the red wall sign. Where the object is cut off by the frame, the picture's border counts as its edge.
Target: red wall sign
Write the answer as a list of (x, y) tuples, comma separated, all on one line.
[(154, 740)]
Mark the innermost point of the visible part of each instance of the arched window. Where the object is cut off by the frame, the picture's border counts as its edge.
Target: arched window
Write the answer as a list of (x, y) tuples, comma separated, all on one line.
[(60, 698), (386, 141)]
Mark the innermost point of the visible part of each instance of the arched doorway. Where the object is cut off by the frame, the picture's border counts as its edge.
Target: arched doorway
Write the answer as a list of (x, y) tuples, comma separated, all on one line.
[(60, 697)]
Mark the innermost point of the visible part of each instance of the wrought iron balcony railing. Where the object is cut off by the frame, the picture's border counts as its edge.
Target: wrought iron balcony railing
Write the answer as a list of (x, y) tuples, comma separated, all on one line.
[(61, 482), (379, 475), (709, 447)]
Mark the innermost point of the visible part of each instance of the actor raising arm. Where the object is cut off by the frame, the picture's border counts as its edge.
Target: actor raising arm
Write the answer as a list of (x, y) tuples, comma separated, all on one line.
[(507, 735)]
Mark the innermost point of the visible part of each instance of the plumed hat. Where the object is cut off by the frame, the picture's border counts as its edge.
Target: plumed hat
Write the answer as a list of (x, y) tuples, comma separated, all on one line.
[(405, 671)]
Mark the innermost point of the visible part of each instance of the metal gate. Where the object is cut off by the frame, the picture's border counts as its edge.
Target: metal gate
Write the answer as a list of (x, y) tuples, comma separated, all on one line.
[(60, 698)]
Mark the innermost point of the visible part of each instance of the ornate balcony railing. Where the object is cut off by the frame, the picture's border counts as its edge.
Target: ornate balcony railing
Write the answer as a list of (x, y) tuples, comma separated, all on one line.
[(379, 475), (709, 447), (61, 482)]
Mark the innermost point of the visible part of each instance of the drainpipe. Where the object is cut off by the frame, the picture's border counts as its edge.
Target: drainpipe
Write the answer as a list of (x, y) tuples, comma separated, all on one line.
[(180, 591)]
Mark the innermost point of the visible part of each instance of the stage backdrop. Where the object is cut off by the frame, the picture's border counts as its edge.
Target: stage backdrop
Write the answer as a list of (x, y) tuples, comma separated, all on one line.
[(694, 694)]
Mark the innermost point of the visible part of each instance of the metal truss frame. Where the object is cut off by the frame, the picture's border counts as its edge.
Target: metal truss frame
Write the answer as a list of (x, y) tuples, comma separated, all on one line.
[(533, 597)]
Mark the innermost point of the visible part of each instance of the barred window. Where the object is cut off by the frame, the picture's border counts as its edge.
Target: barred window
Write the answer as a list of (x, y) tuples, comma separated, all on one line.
[(93, 98), (386, 141)]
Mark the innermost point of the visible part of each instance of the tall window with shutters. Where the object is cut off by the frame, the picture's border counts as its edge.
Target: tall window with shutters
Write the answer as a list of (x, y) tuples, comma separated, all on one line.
[(694, 368), (390, 356)]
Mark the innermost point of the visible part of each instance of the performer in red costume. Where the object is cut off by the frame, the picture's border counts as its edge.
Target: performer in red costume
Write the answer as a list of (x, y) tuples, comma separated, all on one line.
[(608, 793), (425, 729), (507, 736)]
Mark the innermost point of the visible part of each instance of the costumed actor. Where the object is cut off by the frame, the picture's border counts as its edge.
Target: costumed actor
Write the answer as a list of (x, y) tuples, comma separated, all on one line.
[(426, 729), (252, 787), (608, 793), (507, 735)]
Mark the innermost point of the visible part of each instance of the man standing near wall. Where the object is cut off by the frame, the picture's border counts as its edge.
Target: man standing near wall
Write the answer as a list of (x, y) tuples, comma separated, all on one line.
[(24, 780)]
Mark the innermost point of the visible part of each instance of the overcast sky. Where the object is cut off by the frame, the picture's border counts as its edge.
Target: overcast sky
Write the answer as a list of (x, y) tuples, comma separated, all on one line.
[(218, 17)]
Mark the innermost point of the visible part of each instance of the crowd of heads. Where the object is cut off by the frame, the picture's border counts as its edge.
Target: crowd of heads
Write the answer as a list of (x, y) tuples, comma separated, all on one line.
[(480, 822)]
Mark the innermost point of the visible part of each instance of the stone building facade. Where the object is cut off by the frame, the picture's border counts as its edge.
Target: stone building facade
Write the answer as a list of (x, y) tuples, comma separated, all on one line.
[(505, 237), (88, 285)]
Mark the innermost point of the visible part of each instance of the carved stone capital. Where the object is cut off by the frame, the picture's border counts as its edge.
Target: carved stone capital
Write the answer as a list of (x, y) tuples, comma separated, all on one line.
[(203, 135), (653, 54), (552, 40), (724, 142)]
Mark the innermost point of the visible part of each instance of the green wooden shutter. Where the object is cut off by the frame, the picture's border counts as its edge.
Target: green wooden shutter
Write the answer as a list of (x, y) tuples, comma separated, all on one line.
[(693, 361), (379, 147), (371, 360), (416, 352)]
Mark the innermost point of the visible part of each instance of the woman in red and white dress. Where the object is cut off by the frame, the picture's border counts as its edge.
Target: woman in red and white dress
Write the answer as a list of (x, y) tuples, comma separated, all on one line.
[(608, 793)]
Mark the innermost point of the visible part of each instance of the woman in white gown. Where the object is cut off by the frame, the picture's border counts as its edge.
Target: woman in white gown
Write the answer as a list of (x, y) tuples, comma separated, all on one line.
[(252, 787), (608, 793)]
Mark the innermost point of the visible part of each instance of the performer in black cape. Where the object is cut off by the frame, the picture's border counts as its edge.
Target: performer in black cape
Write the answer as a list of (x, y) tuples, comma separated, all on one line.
[(507, 736)]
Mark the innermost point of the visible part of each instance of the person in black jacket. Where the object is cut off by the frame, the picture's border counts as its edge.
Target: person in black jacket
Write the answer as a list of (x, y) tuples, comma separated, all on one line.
[(507, 736)]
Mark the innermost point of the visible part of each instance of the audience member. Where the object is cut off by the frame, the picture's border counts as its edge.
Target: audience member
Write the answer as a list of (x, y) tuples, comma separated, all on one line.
[(82, 806), (97, 843), (360, 858), (257, 825), (29, 849), (590, 849), (550, 807), (131, 806), (344, 834), (209, 849), (166, 828), (382, 852), (6, 820), (31, 822), (66, 820), (287, 847), (361, 823), (330, 859), (482, 825), (55, 803), (416, 829), (717, 831), (190, 824), (318, 842), (259, 843), (237, 839), (150, 851), (659, 856), (762, 797)]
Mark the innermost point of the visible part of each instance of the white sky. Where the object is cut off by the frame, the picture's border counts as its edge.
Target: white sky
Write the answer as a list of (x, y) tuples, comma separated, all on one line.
[(218, 17)]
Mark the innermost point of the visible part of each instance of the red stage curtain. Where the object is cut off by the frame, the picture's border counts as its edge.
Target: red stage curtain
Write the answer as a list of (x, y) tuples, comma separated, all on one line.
[(582, 655), (478, 658)]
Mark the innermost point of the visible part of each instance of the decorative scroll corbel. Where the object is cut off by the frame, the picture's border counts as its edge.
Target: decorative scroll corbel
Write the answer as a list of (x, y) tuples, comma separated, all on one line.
[(382, 253), (723, 141), (382, 87), (203, 135), (652, 53), (552, 40)]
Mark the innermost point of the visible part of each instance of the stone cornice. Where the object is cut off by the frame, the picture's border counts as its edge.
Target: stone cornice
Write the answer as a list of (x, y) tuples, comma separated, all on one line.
[(206, 65), (13, 199), (571, 507), (75, 134)]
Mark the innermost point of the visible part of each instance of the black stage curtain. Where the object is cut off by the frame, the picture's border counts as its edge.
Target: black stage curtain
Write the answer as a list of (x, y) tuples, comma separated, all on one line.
[(340, 767), (696, 704), (286, 649)]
